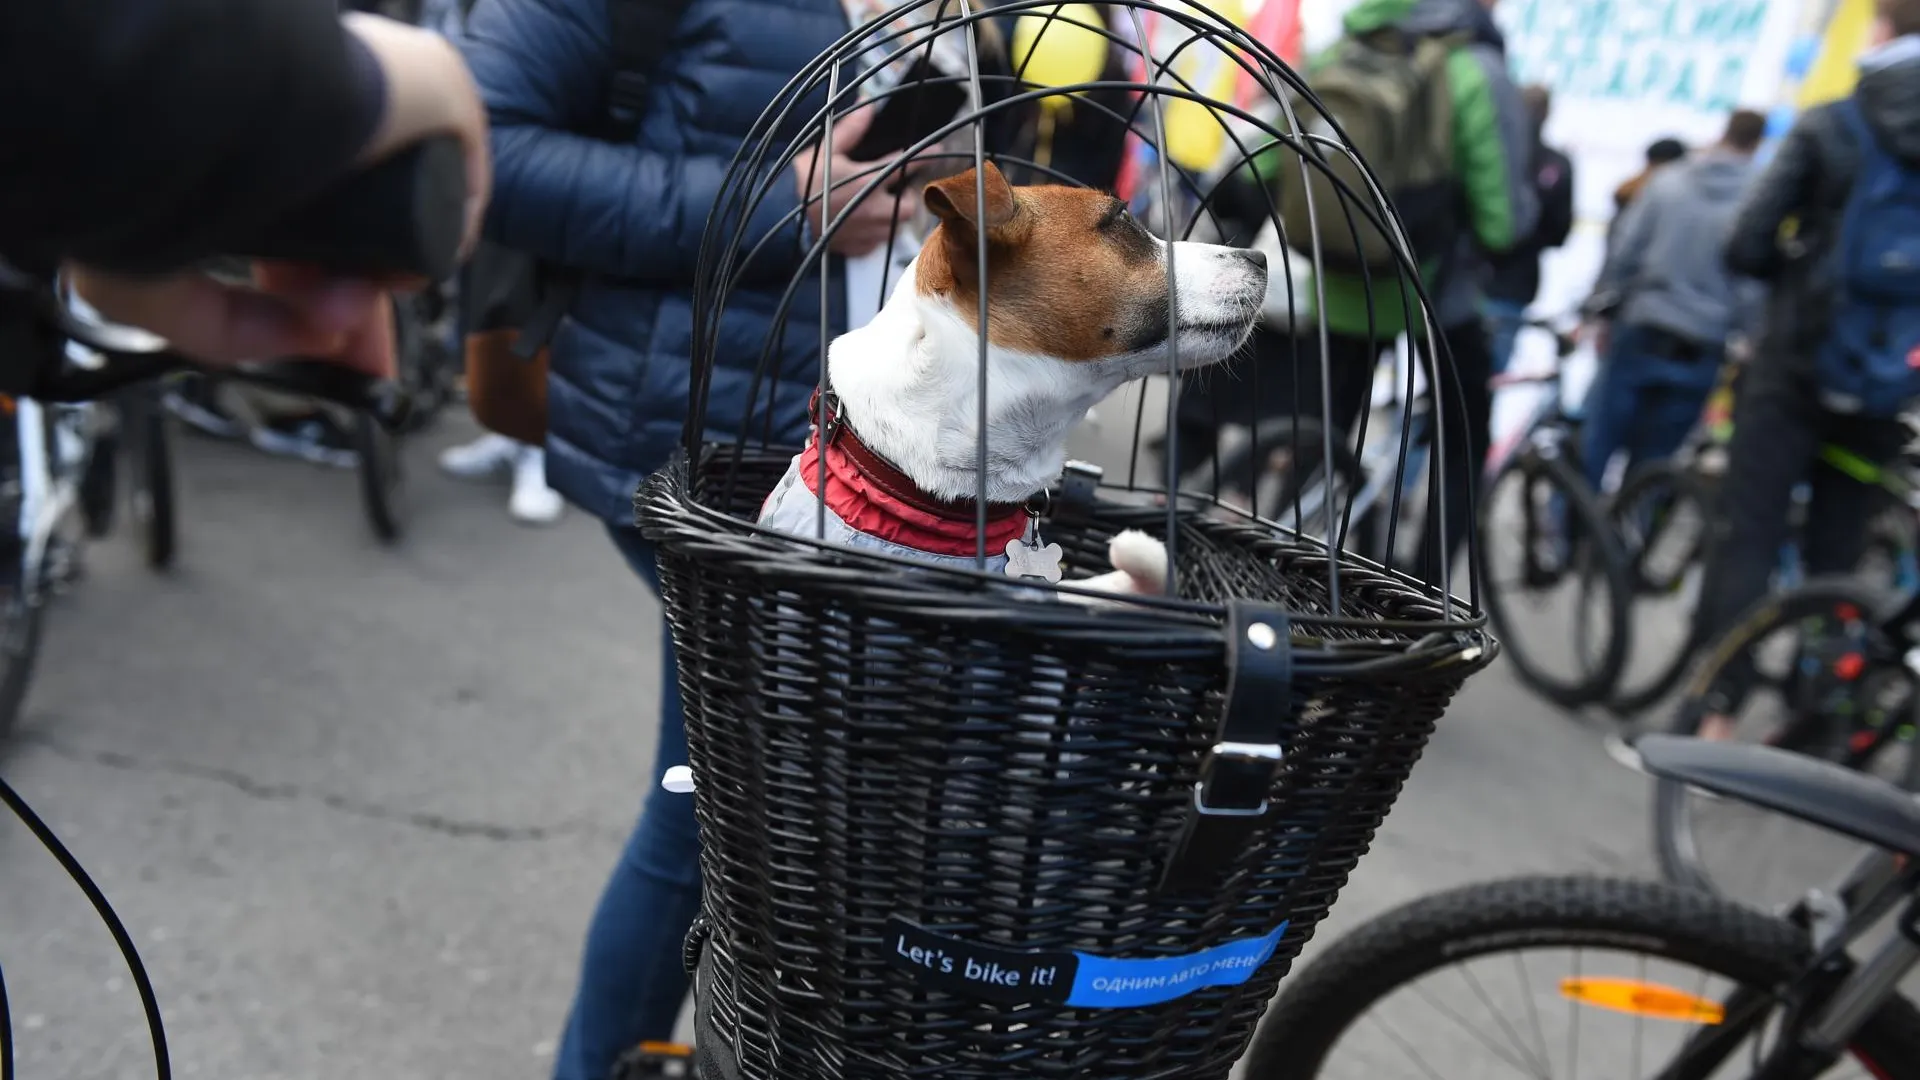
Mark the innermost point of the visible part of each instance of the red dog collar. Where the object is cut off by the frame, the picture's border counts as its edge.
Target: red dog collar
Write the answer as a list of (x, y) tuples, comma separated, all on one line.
[(873, 496)]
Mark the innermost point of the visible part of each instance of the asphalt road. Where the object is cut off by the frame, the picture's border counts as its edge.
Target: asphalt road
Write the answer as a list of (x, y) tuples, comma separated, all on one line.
[(355, 804)]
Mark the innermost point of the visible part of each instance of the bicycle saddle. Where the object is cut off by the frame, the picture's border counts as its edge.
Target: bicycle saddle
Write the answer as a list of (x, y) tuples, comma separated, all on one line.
[(1818, 792)]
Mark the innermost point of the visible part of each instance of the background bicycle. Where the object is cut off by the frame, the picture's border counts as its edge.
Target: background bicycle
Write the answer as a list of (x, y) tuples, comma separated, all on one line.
[(328, 434), (1586, 976), (1557, 588), (1663, 513)]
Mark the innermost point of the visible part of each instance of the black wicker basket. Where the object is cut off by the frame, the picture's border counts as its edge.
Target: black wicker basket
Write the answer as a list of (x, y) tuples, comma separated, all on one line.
[(954, 827)]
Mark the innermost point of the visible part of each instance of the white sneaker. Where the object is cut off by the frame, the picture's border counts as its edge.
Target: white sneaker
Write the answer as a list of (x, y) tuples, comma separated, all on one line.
[(483, 457), (533, 502)]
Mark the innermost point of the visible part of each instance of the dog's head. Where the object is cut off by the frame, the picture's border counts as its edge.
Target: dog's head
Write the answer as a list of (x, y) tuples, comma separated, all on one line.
[(1073, 277)]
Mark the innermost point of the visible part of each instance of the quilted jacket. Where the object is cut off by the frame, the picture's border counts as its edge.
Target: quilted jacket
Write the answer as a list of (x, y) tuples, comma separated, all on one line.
[(631, 215)]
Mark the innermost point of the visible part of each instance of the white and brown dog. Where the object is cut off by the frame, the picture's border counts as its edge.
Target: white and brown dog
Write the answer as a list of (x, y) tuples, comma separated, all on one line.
[(1077, 302)]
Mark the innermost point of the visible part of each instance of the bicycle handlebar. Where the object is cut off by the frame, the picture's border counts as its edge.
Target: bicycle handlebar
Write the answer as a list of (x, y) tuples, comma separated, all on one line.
[(401, 217)]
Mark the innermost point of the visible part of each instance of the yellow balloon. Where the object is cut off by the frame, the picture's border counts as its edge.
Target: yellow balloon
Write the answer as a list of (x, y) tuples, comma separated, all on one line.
[(1060, 51)]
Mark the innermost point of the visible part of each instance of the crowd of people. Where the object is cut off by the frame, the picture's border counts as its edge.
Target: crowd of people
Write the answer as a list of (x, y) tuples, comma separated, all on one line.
[(1712, 256), (1699, 259)]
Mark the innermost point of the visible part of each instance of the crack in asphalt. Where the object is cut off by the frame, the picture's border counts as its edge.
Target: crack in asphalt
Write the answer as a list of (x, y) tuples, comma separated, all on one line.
[(285, 791)]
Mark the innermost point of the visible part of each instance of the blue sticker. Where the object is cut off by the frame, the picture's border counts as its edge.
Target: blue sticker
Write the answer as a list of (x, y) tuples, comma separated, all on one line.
[(1101, 983), (1017, 976)]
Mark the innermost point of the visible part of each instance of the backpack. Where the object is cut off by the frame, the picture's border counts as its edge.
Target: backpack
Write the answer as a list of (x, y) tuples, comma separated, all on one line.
[(1870, 362), (1389, 94), (513, 303)]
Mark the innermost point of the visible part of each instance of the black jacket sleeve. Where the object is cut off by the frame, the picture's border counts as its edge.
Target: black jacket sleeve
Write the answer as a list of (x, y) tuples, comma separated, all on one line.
[(1785, 189), (134, 133), (1556, 203)]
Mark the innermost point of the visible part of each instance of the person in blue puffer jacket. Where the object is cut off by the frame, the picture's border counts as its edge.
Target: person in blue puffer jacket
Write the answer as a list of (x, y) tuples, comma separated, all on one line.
[(631, 216)]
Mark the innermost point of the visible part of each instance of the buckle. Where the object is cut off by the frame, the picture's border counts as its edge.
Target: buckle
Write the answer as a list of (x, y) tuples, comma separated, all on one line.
[(1080, 483), (1238, 772), (1235, 779), (831, 428)]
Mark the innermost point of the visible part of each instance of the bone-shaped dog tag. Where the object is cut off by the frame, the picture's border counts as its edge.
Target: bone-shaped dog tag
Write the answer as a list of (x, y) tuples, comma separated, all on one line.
[(1026, 560)]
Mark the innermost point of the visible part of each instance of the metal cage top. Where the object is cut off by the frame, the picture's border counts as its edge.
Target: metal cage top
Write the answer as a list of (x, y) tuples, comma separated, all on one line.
[(767, 248)]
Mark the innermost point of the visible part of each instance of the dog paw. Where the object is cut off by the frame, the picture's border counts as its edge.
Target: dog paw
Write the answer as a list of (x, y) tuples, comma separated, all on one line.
[(1143, 561)]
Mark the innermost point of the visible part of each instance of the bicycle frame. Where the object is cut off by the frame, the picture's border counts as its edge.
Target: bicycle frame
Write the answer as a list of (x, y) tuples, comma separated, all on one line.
[(1827, 1005), (1837, 995), (55, 442)]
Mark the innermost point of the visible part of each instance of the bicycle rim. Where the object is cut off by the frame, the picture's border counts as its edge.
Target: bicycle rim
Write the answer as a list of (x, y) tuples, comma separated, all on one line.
[(1550, 978)]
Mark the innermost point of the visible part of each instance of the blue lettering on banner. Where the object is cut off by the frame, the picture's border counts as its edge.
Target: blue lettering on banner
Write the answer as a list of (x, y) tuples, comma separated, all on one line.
[(1080, 980), (1101, 983)]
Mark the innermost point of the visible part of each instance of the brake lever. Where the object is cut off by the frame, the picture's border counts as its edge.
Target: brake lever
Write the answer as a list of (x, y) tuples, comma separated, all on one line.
[(133, 355)]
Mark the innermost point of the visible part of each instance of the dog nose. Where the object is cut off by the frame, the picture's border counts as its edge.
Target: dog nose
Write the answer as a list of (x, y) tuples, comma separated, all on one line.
[(1257, 258)]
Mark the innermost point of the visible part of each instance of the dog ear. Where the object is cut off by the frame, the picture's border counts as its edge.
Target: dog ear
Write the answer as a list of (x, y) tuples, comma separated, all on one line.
[(956, 201)]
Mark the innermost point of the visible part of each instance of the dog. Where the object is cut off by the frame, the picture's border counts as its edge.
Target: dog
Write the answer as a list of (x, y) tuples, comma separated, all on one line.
[(1077, 304)]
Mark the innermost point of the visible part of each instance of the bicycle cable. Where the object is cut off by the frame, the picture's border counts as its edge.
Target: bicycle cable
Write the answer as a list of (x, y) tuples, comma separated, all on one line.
[(163, 1068)]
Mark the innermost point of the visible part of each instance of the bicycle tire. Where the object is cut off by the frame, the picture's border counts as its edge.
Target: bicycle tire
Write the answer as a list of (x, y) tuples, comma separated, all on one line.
[(150, 454), (382, 484), (1603, 555), (1684, 486), (1674, 844), (1647, 918)]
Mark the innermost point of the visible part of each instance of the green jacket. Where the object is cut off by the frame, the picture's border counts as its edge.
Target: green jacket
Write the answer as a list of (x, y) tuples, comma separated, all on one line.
[(1492, 142)]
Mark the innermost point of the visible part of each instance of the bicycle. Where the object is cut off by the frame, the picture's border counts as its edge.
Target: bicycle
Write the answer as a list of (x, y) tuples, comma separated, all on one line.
[(1662, 512), (1287, 470), (403, 217), (60, 461), (1840, 661), (1564, 538), (1764, 997)]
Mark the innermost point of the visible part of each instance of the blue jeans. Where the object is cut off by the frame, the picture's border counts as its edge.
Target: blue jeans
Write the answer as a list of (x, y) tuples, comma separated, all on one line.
[(632, 982), (1504, 319), (1643, 402)]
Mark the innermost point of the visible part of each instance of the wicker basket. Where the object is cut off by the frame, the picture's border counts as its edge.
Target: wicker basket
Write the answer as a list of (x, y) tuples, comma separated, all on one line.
[(880, 750), (954, 826)]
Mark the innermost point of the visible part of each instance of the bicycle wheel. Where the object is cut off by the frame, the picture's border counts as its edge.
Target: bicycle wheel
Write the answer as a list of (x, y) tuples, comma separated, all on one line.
[(1661, 515), (150, 467), (382, 483), (1825, 682), (1540, 512), (1613, 977)]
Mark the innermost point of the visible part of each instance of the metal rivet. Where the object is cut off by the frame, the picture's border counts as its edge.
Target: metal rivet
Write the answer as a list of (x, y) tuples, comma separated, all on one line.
[(1262, 637)]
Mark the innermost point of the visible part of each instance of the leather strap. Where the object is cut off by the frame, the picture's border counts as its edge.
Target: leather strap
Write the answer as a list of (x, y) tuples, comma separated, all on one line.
[(1240, 769)]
